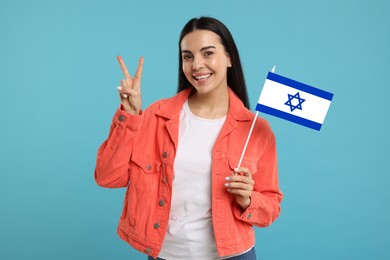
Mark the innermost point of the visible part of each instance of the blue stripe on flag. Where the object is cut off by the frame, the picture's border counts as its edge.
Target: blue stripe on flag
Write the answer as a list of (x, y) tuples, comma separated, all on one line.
[(289, 117), (298, 85)]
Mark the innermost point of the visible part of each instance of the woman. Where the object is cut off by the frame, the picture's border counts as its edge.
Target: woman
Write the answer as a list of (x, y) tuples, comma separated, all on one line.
[(185, 198)]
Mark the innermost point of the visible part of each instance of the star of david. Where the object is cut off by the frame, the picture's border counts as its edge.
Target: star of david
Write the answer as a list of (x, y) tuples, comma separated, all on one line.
[(291, 98)]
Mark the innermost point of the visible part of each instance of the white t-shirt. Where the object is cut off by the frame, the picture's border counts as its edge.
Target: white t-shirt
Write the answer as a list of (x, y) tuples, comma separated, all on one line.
[(190, 232)]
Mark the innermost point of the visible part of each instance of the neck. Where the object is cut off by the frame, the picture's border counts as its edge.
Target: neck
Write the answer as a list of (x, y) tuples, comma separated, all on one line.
[(211, 105)]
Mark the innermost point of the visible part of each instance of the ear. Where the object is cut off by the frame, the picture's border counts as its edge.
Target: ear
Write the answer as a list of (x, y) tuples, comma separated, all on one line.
[(229, 62)]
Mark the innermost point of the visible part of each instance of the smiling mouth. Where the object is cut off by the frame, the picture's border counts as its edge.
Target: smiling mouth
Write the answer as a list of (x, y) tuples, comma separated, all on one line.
[(203, 77)]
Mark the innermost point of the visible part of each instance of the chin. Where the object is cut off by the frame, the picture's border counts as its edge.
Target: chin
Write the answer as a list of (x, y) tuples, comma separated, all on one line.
[(202, 89)]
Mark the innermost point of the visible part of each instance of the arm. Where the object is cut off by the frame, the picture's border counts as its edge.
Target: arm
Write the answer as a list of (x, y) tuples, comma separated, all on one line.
[(258, 197), (114, 154)]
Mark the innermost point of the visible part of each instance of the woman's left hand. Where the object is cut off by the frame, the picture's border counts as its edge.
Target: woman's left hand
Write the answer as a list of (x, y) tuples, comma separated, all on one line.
[(241, 185)]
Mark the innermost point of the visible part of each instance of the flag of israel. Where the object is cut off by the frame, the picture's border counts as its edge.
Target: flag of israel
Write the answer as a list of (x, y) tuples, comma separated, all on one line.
[(294, 101)]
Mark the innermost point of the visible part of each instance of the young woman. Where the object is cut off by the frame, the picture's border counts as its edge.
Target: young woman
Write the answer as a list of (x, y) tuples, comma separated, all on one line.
[(185, 198)]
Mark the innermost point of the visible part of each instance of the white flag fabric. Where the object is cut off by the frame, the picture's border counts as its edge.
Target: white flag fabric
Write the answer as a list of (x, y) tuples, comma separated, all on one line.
[(294, 101)]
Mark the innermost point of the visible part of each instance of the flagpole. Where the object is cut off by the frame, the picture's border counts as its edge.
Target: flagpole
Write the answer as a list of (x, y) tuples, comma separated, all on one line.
[(250, 133), (247, 140)]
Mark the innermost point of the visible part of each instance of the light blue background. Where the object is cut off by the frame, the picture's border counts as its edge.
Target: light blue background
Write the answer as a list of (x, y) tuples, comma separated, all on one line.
[(58, 75)]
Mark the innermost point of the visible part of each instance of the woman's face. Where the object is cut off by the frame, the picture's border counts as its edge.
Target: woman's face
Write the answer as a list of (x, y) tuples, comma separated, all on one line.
[(204, 60)]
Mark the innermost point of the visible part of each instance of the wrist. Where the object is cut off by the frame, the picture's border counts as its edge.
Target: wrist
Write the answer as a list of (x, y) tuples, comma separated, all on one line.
[(245, 204), (133, 111), (130, 110)]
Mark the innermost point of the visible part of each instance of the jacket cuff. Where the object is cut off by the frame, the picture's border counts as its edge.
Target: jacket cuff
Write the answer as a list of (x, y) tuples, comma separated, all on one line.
[(249, 214), (127, 120)]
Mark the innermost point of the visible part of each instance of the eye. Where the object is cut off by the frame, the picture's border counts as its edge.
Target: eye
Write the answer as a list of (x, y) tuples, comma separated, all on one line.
[(187, 57), (208, 53)]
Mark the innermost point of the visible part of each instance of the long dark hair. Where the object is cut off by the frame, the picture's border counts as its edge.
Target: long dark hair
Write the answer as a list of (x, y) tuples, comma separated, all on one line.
[(235, 76)]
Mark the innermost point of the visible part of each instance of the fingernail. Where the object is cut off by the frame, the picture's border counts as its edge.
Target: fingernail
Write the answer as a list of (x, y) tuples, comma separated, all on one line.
[(226, 184), (119, 88), (227, 178), (236, 169), (125, 95)]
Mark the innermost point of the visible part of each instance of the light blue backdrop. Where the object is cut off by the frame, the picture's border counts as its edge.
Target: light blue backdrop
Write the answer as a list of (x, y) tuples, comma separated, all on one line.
[(58, 75)]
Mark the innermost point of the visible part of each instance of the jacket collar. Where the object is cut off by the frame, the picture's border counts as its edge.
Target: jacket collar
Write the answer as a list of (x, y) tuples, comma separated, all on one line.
[(172, 107)]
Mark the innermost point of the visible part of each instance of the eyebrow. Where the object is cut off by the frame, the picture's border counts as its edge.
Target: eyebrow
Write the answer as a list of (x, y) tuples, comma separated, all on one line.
[(202, 49)]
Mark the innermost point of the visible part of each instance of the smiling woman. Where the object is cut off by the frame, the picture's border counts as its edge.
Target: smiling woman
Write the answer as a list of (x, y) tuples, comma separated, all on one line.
[(204, 64), (185, 198), (222, 36)]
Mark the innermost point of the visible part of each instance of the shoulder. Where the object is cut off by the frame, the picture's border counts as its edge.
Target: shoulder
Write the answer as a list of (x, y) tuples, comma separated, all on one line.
[(262, 129), (262, 126), (158, 104), (168, 106)]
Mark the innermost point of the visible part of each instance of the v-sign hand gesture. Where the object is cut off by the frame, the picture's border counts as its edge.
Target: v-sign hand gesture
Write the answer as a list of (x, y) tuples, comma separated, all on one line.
[(130, 88)]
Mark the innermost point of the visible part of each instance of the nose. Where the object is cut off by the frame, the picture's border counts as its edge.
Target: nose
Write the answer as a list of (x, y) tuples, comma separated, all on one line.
[(197, 63)]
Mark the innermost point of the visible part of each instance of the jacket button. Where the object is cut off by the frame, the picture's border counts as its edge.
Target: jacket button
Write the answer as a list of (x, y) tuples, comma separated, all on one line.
[(164, 180), (148, 250), (249, 215), (165, 154), (156, 226), (121, 118), (161, 203), (148, 167)]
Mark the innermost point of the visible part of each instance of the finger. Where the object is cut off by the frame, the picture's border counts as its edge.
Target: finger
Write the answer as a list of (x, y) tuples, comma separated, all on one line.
[(240, 192), (138, 73), (243, 170), (240, 178), (124, 84), (123, 96), (239, 185), (131, 92), (119, 88), (125, 92), (123, 67)]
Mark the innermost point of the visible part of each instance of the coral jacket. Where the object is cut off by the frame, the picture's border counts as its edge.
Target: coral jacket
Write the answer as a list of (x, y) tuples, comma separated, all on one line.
[(140, 152)]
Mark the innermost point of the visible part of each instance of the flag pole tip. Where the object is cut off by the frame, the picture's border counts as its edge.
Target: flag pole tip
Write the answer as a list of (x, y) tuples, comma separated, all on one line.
[(273, 69)]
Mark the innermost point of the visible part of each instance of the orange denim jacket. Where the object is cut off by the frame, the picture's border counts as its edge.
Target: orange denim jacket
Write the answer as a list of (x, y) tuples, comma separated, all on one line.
[(139, 154)]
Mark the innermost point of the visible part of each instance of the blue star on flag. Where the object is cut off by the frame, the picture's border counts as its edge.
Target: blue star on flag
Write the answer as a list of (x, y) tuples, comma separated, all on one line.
[(292, 97)]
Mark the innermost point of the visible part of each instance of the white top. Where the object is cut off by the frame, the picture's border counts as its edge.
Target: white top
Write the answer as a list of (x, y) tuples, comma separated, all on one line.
[(190, 232)]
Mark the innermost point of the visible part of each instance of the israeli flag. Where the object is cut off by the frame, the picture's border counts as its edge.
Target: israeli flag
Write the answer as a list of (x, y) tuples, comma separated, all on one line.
[(294, 101)]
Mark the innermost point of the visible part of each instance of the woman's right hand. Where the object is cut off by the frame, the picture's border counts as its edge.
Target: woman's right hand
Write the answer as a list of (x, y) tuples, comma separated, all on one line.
[(130, 88)]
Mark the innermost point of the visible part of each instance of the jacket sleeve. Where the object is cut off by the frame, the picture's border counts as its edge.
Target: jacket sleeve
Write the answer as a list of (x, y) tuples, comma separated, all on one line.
[(114, 154), (266, 195)]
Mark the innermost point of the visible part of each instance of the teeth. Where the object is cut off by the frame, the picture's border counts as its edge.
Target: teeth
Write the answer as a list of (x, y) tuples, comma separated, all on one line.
[(203, 77)]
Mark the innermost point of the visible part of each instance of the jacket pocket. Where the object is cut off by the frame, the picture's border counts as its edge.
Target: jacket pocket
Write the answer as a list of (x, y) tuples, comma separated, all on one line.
[(144, 172), (249, 163), (146, 163)]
